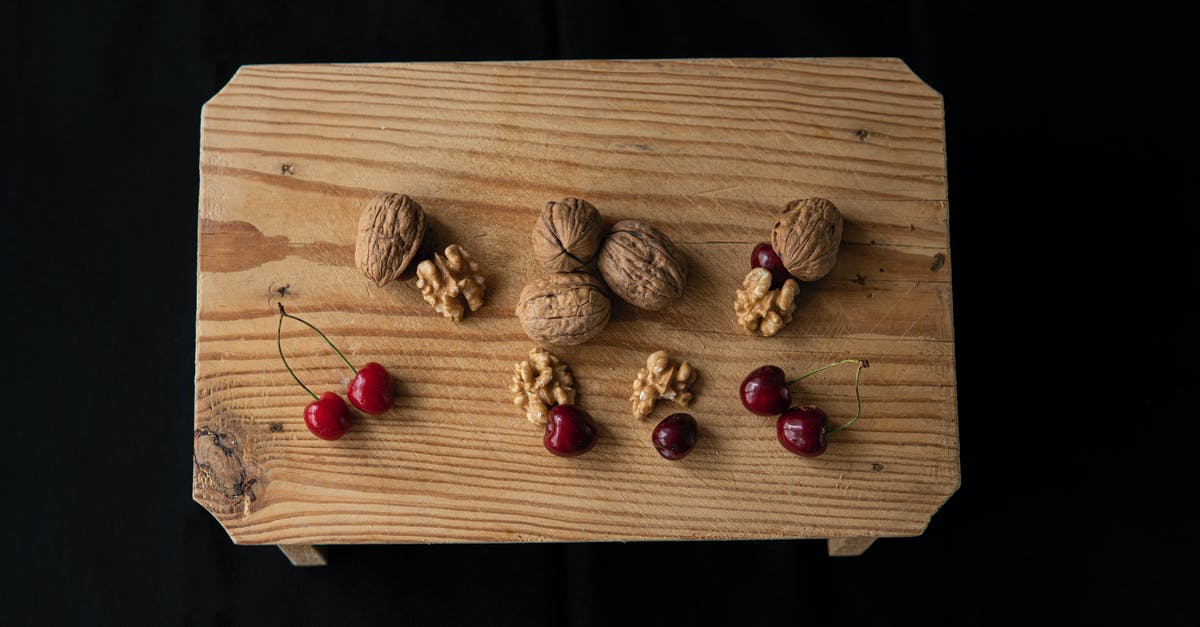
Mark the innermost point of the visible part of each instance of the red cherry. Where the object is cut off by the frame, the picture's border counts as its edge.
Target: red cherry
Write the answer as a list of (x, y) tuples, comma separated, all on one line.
[(328, 417), (801, 430), (569, 432), (765, 392), (764, 257), (371, 389), (675, 436)]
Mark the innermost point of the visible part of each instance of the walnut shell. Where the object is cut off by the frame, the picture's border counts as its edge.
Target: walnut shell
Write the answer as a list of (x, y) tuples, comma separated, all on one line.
[(806, 237), (641, 265), (567, 235), (563, 308), (390, 231)]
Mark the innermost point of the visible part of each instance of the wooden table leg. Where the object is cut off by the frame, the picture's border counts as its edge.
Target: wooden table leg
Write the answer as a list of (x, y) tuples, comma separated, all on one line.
[(304, 554), (849, 547)]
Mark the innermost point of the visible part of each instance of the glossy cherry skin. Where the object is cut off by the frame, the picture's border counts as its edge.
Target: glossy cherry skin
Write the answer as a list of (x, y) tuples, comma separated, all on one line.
[(764, 257), (675, 436), (371, 389), (765, 392), (801, 430), (570, 431), (327, 418)]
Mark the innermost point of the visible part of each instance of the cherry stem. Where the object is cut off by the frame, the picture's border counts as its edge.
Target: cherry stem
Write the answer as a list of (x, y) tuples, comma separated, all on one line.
[(825, 367), (279, 344), (862, 363), (283, 314), (857, 399)]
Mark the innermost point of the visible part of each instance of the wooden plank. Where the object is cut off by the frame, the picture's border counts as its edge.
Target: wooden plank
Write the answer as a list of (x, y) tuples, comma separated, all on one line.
[(707, 150)]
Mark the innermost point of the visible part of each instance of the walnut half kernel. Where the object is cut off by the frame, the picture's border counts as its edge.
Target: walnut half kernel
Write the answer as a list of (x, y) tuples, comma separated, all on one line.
[(540, 383), (760, 308), (662, 378), (450, 278)]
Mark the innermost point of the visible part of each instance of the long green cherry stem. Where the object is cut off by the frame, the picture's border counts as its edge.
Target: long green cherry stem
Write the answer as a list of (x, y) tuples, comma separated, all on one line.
[(279, 345), (283, 314), (857, 399), (862, 363), (822, 368)]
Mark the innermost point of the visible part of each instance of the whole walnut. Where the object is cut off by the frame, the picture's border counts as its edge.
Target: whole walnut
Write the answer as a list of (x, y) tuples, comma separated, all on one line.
[(567, 235), (641, 265), (806, 237), (390, 232), (563, 308)]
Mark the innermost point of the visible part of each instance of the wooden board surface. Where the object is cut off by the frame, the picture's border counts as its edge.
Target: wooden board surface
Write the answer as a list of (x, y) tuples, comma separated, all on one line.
[(707, 150)]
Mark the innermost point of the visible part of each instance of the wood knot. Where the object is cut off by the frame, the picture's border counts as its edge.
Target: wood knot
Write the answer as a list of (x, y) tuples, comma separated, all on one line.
[(218, 458), (938, 261)]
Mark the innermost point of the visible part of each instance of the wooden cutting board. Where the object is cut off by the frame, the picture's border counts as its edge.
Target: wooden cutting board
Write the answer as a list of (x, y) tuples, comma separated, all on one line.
[(707, 150)]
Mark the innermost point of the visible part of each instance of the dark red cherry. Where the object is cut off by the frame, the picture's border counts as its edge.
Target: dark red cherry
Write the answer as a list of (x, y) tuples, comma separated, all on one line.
[(764, 257), (570, 431), (327, 418), (675, 436), (371, 389), (801, 430), (764, 391)]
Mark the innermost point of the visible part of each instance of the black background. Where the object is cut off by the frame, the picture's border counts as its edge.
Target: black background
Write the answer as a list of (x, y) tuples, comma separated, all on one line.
[(1070, 232)]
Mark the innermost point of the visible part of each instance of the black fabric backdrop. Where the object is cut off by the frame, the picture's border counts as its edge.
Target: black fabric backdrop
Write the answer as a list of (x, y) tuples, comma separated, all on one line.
[(1069, 228)]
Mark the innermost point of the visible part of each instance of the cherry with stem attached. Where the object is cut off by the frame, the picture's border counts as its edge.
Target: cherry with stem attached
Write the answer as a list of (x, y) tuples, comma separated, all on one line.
[(326, 417), (765, 390), (370, 390), (804, 430)]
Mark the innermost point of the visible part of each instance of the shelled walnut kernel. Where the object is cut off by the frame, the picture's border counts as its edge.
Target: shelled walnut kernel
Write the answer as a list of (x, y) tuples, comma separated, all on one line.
[(448, 276), (661, 378), (541, 382), (760, 308)]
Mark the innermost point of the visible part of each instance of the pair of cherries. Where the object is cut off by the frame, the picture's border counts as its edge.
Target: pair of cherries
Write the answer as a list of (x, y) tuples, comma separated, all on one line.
[(802, 430), (327, 417), (571, 432)]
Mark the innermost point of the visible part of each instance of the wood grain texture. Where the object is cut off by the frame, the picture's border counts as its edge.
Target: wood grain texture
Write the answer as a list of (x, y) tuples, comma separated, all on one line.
[(707, 150)]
